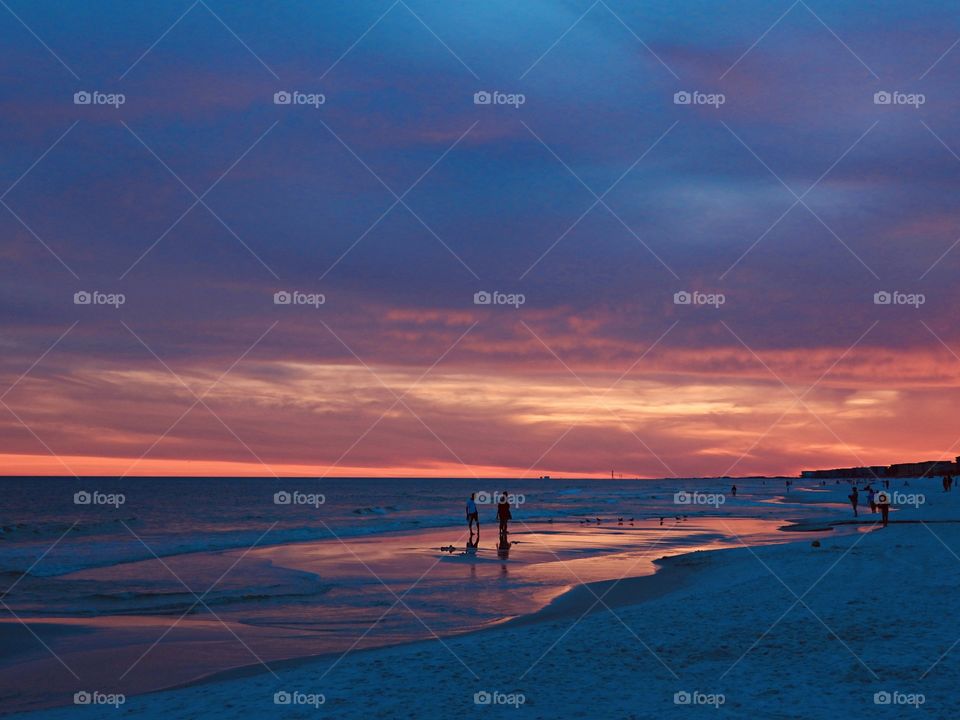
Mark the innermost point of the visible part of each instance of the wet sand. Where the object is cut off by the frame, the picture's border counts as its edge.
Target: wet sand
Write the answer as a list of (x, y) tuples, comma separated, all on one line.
[(384, 590)]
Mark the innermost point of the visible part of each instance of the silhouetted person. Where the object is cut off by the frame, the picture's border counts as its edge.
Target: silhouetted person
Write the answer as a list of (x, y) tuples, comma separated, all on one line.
[(872, 498), (854, 499), (883, 502), (733, 490), (473, 516), (503, 517)]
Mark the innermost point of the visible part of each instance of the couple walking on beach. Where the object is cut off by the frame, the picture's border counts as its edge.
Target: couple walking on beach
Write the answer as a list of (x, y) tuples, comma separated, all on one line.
[(503, 517)]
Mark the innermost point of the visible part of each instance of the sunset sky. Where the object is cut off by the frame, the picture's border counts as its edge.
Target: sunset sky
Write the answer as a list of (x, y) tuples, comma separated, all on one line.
[(399, 198)]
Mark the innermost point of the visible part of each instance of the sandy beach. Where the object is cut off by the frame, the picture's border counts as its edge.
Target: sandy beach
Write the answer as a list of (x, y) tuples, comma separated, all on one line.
[(785, 630)]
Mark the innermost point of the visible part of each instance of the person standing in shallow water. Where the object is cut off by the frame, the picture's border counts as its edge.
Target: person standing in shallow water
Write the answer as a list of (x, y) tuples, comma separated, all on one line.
[(503, 517), (473, 516)]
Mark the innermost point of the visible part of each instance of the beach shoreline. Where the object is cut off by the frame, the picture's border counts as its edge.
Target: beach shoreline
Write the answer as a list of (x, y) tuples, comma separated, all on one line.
[(311, 598), (678, 588), (578, 600)]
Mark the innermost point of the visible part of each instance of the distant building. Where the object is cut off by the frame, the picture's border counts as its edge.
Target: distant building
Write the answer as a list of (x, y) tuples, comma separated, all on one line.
[(878, 471), (916, 469), (928, 467)]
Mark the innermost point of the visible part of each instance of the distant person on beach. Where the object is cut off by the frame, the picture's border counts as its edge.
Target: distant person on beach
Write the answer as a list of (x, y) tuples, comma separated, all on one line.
[(473, 516), (872, 498), (733, 490), (854, 499), (503, 516), (883, 502)]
